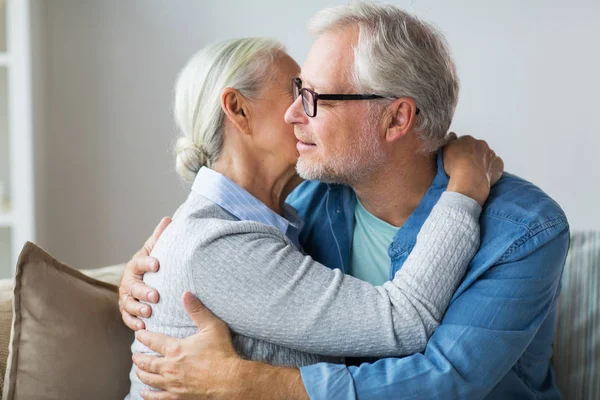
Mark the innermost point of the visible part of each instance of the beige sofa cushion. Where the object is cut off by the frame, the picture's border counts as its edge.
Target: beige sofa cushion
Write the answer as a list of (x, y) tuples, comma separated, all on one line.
[(5, 324), (112, 274), (68, 340)]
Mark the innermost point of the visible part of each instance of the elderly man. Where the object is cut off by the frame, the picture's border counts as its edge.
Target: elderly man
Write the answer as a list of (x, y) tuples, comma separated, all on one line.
[(495, 340)]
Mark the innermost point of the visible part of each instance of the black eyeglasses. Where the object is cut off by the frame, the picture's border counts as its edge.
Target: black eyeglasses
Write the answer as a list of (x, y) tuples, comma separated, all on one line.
[(310, 97)]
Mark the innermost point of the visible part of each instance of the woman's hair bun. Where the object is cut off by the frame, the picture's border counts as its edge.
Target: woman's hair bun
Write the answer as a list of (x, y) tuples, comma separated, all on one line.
[(189, 158)]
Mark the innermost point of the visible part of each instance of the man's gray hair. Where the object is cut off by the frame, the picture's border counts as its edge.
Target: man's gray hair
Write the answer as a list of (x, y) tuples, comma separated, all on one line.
[(398, 55)]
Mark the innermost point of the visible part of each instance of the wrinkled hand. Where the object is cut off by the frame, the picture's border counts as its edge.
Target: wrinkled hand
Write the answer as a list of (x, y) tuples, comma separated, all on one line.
[(132, 288), (473, 167), (201, 366)]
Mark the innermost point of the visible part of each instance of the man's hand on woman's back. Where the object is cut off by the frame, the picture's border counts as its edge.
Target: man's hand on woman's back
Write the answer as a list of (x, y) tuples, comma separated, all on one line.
[(133, 289)]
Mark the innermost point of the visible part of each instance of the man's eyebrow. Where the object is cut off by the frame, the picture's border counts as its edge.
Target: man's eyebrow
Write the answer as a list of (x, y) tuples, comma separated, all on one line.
[(307, 84)]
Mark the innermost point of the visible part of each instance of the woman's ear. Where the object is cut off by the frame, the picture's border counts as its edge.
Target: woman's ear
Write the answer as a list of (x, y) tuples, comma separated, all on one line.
[(235, 107), (403, 111)]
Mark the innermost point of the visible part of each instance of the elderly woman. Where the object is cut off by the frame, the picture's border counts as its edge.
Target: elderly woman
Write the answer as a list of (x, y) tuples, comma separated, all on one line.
[(235, 244)]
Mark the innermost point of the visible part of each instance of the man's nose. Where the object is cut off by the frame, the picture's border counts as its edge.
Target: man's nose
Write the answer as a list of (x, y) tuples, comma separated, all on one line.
[(295, 113)]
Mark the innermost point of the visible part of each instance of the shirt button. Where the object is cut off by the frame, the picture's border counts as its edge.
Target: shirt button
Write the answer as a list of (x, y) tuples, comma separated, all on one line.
[(338, 211)]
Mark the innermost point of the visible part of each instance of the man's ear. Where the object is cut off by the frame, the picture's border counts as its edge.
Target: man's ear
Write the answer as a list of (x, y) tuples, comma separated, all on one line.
[(235, 107), (403, 112)]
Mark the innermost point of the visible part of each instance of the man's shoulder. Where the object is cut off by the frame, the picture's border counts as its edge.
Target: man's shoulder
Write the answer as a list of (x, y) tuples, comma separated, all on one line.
[(518, 219), (522, 203), (522, 226)]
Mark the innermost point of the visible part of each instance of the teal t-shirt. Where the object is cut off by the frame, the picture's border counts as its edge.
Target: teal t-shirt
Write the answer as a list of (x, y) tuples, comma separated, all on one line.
[(372, 237)]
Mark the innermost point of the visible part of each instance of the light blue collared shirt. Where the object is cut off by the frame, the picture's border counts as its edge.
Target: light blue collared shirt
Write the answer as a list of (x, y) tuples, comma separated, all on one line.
[(241, 204)]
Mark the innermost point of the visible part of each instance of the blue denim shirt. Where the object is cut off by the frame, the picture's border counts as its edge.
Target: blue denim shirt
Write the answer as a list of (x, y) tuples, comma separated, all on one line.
[(495, 340)]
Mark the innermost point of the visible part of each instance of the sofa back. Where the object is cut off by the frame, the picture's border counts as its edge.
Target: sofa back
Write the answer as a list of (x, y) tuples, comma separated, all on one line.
[(577, 340)]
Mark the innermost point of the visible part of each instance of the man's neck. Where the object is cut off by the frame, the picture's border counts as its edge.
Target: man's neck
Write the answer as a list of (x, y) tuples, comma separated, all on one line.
[(394, 192)]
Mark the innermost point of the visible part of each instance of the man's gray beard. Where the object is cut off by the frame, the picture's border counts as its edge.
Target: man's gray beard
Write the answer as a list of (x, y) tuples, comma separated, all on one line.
[(348, 169)]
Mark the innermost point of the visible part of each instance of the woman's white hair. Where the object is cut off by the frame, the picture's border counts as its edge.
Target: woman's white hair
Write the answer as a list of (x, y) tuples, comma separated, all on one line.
[(398, 55), (240, 64)]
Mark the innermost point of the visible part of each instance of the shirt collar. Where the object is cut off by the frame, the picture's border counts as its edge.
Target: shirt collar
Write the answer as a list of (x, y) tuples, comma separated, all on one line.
[(241, 204)]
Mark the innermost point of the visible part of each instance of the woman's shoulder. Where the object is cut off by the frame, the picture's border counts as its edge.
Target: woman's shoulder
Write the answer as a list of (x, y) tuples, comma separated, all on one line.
[(203, 220), (204, 238)]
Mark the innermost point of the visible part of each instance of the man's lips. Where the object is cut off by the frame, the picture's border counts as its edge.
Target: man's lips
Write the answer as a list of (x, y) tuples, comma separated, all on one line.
[(304, 146), (304, 140)]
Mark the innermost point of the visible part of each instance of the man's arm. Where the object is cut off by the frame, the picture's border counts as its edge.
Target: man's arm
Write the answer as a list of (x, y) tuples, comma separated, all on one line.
[(206, 366), (483, 334)]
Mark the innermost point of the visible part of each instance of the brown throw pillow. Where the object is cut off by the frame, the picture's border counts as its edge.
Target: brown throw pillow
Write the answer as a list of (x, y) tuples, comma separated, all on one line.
[(68, 340)]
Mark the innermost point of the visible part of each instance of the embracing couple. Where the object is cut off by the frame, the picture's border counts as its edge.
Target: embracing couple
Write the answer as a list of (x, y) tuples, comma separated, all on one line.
[(405, 265)]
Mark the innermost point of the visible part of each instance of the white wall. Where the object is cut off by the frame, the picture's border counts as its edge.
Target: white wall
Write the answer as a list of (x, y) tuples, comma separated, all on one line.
[(104, 70), (530, 86), (4, 143)]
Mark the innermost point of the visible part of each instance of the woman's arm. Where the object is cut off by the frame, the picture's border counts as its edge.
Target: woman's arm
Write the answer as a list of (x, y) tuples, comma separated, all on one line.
[(262, 287)]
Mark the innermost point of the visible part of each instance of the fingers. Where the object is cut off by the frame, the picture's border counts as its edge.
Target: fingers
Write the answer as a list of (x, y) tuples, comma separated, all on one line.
[(135, 308), (150, 379), (148, 363), (500, 165), (134, 274), (132, 322), (157, 342), (451, 136), (467, 138), (201, 315), (142, 264), (155, 395), (149, 245), (483, 148), (496, 171), (143, 292), (129, 305)]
